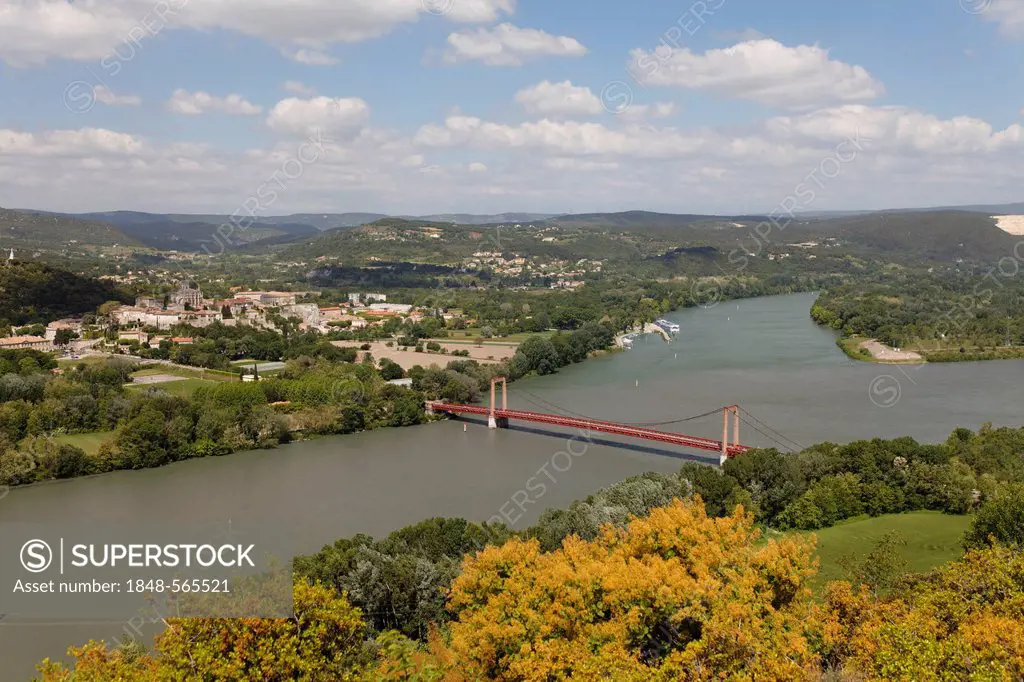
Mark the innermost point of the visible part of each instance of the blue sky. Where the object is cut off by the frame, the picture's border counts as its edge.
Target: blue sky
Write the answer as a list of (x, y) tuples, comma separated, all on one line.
[(496, 105)]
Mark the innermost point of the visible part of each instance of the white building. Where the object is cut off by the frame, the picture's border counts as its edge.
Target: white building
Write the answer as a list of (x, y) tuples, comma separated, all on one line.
[(357, 299), (400, 308), (34, 342)]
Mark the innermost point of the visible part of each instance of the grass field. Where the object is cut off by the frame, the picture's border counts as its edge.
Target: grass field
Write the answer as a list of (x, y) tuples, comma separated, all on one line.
[(183, 388), (932, 539), (186, 372), (87, 359), (90, 442), (455, 335)]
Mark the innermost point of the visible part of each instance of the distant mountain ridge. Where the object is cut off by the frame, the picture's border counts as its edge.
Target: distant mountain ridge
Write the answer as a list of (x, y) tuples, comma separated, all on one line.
[(990, 209), (965, 232), (36, 230)]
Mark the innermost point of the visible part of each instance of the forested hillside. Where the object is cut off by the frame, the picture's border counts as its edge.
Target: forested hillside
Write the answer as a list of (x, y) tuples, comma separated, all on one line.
[(32, 292), (934, 235), (23, 230)]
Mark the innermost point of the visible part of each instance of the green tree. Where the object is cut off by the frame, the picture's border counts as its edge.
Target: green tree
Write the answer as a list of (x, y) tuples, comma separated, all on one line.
[(391, 370), (142, 441), (539, 355), (999, 520), (882, 567)]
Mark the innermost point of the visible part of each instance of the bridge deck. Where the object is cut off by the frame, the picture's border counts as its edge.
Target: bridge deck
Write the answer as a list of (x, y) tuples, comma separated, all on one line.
[(695, 442)]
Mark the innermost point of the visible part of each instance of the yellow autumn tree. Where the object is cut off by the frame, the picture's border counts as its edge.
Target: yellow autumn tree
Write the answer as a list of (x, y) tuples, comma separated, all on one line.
[(322, 642), (674, 596), (965, 621), (94, 662)]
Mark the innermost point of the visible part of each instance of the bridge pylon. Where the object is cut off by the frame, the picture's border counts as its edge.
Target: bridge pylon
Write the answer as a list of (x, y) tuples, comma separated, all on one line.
[(494, 421), (726, 411)]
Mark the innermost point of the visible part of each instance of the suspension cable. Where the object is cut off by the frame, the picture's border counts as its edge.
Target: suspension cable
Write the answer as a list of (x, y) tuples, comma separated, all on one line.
[(551, 405), (776, 441), (777, 433)]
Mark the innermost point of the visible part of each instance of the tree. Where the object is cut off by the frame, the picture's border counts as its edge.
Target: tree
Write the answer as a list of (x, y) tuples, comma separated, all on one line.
[(962, 622), (539, 355), (322, 642), (773, 479), (29, 366), (882, 567), (391, 370), (142, 441), (671, 595), (999, 520), (64, 336)]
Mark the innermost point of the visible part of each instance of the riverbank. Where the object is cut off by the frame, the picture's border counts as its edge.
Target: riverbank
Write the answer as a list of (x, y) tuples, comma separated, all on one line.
[(873, 351), (649, 328)]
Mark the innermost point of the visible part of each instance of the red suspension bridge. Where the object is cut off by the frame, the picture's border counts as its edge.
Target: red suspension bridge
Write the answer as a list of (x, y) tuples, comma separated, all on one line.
[(728, 446)]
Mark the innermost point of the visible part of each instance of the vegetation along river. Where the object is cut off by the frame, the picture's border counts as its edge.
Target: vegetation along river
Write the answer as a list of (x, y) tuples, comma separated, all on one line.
[(764, 354)]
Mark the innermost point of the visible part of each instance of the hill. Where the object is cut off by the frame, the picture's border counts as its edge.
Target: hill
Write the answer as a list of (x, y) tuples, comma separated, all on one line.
[(32, 292), (28, 231), (168, 235), (649, 220), (441, 243), (475, 219), (928, 235), (169, 232)]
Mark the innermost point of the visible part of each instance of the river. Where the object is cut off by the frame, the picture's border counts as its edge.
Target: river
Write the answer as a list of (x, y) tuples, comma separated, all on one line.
[(763, 354)]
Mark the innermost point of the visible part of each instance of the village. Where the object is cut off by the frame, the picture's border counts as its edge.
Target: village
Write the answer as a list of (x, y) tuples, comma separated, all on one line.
[(149, 323)]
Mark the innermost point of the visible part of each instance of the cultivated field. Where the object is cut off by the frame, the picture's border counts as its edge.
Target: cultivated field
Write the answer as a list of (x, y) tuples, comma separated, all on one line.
[(485, 354)]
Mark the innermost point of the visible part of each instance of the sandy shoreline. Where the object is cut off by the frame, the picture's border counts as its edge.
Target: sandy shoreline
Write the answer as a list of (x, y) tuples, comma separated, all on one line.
[(882, 353)]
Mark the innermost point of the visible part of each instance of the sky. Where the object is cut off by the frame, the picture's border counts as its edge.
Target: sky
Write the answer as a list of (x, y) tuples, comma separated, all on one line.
[(416, 107)]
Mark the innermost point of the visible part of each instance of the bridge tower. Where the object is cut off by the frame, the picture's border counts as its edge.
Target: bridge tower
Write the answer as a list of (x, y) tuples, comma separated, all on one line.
[(494, 421), (726, 411)]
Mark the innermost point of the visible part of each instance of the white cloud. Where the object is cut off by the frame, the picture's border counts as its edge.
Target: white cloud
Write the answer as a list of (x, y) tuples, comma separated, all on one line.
[(907, 158), (303, 116), (561, 163), (299, 88), (764, 71), (557, 137), (310, 57), (194, 103), (900, 133), (547, 98), (471, 11), (900, 129), (509, 45), (1009, 14), (31, 31), (69, 143), (103, 95), (642, 112)]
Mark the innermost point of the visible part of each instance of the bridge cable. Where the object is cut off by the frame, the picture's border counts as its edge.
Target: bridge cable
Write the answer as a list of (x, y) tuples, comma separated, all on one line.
[(551, 405), (777, 433), (776, 441)]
